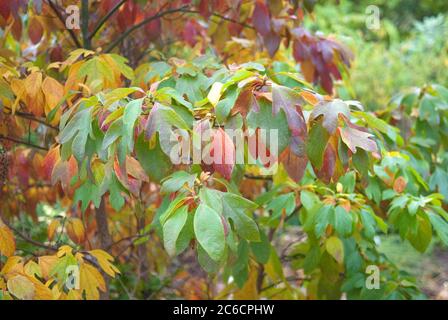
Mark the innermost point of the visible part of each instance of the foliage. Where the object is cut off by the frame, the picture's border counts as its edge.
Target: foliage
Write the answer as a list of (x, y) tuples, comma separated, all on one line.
[(91, 184)]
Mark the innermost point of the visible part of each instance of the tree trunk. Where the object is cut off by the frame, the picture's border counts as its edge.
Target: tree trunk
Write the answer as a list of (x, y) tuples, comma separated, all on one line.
[(105, 238)]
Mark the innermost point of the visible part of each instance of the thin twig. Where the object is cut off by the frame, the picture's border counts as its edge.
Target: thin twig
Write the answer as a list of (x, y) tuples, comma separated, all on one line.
[(23, 142), (142, 23), (105, 18), (29, 240), (30, 116)]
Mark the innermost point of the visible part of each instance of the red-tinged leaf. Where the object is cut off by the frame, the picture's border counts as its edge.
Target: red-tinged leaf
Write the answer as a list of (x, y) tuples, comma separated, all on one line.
[(223, 153), (151, 124), (300, 51), (261, 18), (294, 165), (16, 29), (260, 151), (328, 165), (35, 30), (5, 9), (49, 161), (244, 102), (127, 15), (354, 138), (130, 183), (326, 82), (190, 32), (64, 171), (288, 100), (204, 9), (272, 42), (308, 70), (135, 169), (153, 28), (56, 54)]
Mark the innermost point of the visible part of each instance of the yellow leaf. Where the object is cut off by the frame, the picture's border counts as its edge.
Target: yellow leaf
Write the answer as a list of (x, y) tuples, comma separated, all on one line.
[(46, 264), (249, 290), (21, 287), (105, 261), (18, 87), (215, 93), (32, 269), (54, 93), (7, 242), (35, 99), (14, 264), (75, 230), (64, 250), (52, 227), (42, 292), (91, 281)]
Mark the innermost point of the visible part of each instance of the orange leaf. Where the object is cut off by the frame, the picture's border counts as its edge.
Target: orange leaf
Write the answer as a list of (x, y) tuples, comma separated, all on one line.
[(7, 242), (75, 230)]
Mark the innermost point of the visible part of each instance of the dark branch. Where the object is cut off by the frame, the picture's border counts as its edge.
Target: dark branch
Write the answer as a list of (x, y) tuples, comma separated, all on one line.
[(105, 18), (217, 15), (85, 24), (29, 240), (138, 25), (23, 142), (61, 18)]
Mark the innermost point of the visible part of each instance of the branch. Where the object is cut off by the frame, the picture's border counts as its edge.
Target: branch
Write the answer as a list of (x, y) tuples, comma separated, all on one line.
[(105, 18), (138, 25), (29, 240), (85, 24), (61, 18), (249, 176), (30, 116), (289, 279), (226, 18), (23, 142)]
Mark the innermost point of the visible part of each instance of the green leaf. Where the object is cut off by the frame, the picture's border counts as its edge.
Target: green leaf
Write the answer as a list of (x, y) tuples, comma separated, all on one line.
[(209, 231), (176, 181), (131, 112), (440, 226), (316, 144), (284, 203), (234, 208), (266, 120), (324, 217), (335, 248), (421, 237), (154, 161), (172, 229), (330, 111), (206, 261), (343, 222), (261, 249), (86, 193)]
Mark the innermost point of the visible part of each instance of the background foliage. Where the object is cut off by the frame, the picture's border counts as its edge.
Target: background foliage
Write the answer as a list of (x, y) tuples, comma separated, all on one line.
[(86, 179)]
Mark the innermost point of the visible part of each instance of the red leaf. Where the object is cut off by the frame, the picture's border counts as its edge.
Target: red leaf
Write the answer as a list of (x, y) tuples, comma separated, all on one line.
[(35, 30), (272, 43), (223, 153), (326, 171), (49, 162), (294, 165), (261, 19)]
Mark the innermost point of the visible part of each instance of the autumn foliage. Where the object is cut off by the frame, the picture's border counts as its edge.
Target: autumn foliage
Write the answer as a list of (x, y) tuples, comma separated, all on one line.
[(92, 205)]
